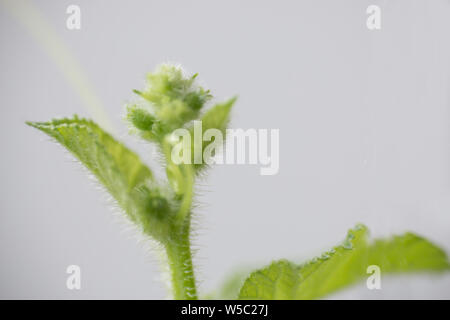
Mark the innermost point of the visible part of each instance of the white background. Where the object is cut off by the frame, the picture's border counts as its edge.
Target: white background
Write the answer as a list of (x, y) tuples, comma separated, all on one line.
[(364, 137)]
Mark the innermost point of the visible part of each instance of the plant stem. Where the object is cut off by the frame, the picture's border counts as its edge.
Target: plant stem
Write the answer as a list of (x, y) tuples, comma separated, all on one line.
[(181, 268)]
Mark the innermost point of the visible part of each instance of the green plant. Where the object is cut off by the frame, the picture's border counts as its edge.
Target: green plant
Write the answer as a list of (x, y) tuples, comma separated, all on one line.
[(163, 210)]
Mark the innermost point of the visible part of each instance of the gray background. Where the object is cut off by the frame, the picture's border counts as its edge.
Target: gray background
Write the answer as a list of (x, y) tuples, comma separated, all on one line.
[(364, 137)]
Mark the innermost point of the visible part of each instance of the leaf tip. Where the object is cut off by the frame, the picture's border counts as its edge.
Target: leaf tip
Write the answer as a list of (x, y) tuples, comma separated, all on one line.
[(232, 100), (33, 124)]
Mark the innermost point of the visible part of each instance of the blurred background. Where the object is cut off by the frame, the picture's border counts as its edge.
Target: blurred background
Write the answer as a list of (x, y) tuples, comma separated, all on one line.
[(364, 135)]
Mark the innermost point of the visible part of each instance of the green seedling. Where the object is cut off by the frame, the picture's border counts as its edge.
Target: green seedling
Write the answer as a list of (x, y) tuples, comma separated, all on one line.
[(163, 210)]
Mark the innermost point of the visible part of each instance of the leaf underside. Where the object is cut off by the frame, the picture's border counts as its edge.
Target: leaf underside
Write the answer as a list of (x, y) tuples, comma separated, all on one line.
[(343, 265)]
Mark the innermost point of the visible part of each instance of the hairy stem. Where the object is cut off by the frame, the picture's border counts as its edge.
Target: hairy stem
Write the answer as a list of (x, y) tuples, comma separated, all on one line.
[(181, 268)]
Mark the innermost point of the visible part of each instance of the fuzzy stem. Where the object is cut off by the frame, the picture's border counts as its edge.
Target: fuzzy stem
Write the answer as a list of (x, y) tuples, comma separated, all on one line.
[(181, 268)]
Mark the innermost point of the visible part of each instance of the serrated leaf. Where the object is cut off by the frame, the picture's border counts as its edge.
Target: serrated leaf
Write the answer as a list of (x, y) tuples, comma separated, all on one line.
[(115, 166), (344, 265)]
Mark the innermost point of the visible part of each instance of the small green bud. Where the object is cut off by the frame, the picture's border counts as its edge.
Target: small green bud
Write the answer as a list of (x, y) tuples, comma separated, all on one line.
[(197, 99), (174, 97), (156, 202), (140, 118), (167, 81), (159, 206)]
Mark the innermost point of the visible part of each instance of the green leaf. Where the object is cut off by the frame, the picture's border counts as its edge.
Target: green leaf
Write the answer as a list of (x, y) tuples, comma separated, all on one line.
[(218, 118), (140, 118), (344, 265), (117, 168)]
